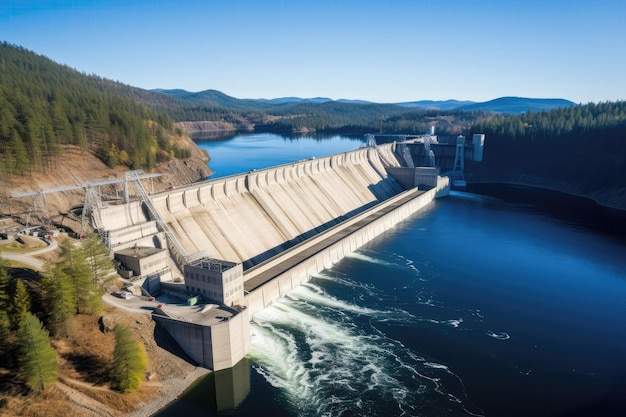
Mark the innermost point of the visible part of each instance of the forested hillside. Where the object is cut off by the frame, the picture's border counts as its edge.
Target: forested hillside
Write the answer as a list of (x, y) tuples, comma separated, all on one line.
[(45, 106), (292, 114), (580, 149), (518, 105), (288, 116)]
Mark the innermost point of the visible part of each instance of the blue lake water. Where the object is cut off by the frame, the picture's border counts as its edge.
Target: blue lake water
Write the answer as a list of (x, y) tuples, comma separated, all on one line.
[(474, 306), (243, 153)]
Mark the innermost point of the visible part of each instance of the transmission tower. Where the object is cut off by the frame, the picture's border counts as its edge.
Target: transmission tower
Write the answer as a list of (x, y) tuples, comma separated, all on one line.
[(92, 203), (39, 211), (180, 254)]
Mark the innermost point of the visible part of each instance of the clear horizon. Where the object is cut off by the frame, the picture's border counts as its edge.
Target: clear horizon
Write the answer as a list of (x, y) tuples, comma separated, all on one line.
[(357, 50)]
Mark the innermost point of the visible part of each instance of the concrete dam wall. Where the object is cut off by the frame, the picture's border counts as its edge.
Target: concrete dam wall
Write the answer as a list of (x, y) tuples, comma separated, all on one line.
[(251, 217), (280, 224)]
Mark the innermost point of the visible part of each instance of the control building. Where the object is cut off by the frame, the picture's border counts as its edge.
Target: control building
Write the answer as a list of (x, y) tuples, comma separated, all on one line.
[(141, 261), (218, 280)]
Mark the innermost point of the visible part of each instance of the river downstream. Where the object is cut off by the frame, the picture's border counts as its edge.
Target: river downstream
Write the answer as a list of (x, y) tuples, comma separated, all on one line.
[(475, 306)]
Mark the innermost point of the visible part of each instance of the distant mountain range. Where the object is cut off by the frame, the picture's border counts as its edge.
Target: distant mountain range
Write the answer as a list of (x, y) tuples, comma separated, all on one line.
[(518, 104), (498, 105)]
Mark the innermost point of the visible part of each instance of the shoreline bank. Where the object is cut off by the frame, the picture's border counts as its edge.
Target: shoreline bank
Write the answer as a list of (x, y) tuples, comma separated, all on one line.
[(619, 205), (171, 390)]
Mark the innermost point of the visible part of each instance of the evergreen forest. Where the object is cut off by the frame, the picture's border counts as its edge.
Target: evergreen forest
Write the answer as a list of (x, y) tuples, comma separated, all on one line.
[(35, 312), (45, 107), (583, 146)]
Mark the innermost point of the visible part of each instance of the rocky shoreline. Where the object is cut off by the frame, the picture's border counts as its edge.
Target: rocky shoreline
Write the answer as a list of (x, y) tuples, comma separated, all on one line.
[(171, 390)]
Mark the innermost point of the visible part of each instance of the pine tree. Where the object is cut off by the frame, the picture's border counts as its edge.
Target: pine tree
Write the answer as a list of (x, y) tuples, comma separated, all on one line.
[(21, 303), (59, 298), (97, 256), (84, 287), (5, 331), (37, 359), (67, 253), (5, 306), (5, 285), (19, 151), (129, 360), (88, 295)]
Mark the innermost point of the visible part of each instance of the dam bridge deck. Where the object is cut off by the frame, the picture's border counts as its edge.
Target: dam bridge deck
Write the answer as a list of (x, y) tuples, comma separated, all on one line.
[(296, 255)]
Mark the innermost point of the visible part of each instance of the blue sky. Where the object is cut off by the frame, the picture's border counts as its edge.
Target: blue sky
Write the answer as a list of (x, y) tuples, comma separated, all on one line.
[(383, 51)]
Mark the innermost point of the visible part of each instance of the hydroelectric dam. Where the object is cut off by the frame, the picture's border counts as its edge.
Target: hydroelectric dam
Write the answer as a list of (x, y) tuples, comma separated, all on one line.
[(230, 247)]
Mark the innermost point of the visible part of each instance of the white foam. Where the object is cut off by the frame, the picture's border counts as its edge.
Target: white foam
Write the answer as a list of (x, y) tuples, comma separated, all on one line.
[(455, 323), (340, 356), (279, 348), (314, 294), (452, 322), (436, 365), (410, 264), (310, 347), (366, 258), (368, 289), (324, 275), (499, 336)]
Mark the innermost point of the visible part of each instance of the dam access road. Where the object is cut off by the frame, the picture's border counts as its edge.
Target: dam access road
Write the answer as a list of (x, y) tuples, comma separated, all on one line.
[(293, 256)]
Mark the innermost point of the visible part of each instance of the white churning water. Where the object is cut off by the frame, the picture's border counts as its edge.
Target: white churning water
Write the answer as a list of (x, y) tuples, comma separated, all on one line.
[(327, 357)]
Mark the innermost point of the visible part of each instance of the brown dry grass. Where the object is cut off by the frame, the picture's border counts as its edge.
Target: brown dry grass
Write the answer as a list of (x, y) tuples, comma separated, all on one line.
[(86, 352), (28, 243), (52, 403), (84, 357)]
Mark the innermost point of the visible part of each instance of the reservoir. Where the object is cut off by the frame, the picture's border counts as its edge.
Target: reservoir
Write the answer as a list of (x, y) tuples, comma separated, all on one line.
[(481, 304)]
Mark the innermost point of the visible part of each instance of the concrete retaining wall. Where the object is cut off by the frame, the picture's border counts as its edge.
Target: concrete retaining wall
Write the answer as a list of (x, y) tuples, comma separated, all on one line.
[(120, 216), (219, 346), (133, 232)]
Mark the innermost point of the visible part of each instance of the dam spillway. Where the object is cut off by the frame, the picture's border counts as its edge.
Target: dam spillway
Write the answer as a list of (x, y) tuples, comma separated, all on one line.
[(251, 217), (268, 231)]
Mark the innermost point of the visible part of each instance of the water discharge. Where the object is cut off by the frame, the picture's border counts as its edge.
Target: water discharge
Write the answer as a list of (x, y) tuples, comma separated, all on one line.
[(328, 357)]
